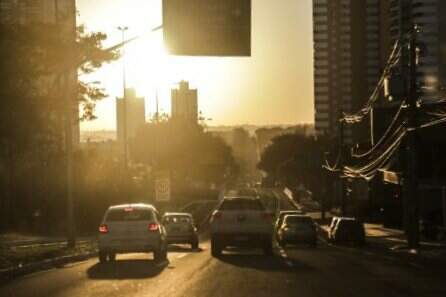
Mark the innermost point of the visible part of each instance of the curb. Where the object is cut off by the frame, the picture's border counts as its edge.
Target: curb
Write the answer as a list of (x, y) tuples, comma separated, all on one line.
[(14, 272)]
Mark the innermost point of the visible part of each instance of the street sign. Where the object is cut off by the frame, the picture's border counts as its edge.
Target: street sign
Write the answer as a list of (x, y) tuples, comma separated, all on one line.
[(207, 27), (162, 187)]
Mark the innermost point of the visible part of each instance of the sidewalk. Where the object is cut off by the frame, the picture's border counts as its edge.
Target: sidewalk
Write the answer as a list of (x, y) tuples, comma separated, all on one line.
[(25, 253), (392, 240)]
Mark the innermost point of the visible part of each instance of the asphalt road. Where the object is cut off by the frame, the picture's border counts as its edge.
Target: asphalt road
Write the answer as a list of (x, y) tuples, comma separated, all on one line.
[(325, 271)]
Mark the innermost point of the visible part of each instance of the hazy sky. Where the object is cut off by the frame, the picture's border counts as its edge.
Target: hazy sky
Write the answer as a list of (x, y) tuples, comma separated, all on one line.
[(274, 86)]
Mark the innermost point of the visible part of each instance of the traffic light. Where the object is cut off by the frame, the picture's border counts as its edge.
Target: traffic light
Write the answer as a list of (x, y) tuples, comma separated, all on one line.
[(207, 27)]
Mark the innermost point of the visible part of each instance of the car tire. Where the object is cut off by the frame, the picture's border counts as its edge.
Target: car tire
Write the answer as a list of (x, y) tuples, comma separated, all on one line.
[(194, 244), (102, 257), (268, 249), (111, 257), (160, 255), (215, 248)]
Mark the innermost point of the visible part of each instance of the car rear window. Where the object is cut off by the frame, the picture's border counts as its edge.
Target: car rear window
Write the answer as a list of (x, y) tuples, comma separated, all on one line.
[(129, 214), (350, 225), (295, 220), (177, 219), (242, 204)]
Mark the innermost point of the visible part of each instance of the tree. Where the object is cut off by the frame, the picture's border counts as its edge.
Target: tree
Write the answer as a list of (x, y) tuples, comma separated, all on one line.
[(293, 159), (35, 58), (190, 154)]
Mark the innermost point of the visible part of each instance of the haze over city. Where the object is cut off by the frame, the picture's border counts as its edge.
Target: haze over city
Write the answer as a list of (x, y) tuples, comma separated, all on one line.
[(274, 86)]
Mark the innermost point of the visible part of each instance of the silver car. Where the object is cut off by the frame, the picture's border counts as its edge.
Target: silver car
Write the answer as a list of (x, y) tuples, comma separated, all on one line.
[(180, 228), (131, 228)]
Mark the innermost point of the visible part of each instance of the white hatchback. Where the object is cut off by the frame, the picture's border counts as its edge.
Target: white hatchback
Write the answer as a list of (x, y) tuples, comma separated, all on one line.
[(131, 228)]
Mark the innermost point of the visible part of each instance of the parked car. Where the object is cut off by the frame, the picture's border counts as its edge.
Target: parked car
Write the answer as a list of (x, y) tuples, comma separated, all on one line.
[(180, 228), (282, 215), (241, 221), (347, 230), (297, 229), (131, 228)]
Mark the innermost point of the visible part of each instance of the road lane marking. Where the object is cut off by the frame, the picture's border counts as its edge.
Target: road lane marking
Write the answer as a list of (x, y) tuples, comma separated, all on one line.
[(181, 256)]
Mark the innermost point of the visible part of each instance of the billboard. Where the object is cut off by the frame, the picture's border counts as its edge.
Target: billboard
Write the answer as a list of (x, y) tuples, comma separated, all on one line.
[(207, 27)]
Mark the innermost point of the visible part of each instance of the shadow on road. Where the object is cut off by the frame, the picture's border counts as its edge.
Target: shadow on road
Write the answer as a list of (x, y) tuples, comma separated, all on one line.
[(183, 249), (126, 269), (261, 262)]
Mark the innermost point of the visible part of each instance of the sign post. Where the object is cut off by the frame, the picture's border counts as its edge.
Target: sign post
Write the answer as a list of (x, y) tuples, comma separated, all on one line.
[(162, 187)]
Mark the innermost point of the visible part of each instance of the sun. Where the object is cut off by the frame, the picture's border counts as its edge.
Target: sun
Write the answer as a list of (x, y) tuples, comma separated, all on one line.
[(147, 64)]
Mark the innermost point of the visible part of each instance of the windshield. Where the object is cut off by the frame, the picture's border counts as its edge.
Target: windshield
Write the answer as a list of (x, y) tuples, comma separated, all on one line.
[(295, 220), (129, 214), (177, 219)]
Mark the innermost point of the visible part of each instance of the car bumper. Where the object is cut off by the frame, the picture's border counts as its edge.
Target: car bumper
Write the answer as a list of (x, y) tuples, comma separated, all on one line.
[(129, 245), (182, 238), (299, 238), (242, 239)]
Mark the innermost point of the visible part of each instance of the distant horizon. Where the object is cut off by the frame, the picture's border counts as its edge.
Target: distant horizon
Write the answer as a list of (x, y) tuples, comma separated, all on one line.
[(272, 87), (214, 126)]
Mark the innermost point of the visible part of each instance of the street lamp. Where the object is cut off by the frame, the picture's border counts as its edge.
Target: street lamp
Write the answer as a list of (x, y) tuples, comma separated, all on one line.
[(123, 29)]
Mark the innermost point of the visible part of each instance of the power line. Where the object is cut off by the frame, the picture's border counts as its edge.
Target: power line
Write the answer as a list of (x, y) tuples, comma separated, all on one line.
[(385, 135)]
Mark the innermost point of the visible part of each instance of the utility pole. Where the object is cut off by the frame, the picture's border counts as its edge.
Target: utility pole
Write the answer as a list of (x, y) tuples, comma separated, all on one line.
[(341, 164), (124, 103), (411, 184), (69, 81)]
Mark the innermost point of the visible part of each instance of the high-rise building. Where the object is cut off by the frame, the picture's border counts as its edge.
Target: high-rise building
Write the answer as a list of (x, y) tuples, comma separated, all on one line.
[(184, 103), (135, 115), (346, 60), (429, 15)]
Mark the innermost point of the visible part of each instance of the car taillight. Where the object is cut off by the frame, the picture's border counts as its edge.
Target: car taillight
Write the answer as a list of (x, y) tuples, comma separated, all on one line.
[(103, 229), (153, 227)]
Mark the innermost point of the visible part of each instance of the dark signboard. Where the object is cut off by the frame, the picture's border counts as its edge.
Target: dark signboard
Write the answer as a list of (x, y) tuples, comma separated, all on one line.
[(207, 27)]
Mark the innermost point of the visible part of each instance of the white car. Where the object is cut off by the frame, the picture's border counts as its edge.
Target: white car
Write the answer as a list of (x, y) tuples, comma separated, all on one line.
[(131, 228), (241, 221)]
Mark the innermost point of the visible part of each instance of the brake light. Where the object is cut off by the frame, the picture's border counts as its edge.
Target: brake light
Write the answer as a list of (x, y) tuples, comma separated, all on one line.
[(103, 229), (153, 227)]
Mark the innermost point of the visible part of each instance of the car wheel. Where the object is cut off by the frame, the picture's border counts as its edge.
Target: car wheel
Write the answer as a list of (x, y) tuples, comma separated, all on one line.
[(160, 255), (215, 248), (268, 249), (194, 244), (102, 257), (111, 257)]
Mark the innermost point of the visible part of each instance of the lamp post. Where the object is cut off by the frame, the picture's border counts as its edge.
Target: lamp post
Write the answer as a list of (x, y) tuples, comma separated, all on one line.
[(123, 29)]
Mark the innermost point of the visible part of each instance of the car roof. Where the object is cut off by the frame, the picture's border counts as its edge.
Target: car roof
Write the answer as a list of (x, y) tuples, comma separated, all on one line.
[(296, 211), (133, 205), (177, 214), (241, 197), (298, 216)]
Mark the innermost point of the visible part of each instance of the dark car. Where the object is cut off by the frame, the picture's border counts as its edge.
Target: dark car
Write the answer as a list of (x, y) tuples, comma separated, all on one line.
[(297, 229), (347, 230), (180, 228), (281, 217)]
